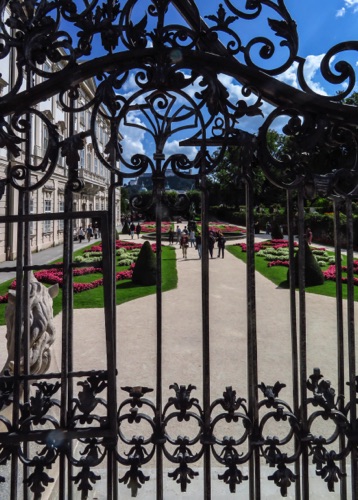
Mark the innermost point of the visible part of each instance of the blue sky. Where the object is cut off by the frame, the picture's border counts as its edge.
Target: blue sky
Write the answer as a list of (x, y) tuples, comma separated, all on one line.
[(321, 24)]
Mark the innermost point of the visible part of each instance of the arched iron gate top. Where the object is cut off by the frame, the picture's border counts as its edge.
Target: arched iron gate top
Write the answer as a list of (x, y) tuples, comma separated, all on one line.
[(176, 72), (113, 43)]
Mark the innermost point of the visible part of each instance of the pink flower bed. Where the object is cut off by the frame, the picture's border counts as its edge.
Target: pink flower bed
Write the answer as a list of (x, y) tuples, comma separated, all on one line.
[(274, 263), (331, 274), (53, 276), (276, 244), (149, 227), (128, 245)]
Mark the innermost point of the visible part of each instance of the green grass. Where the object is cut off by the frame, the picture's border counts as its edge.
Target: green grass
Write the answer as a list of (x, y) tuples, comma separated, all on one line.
[(126, 290), (278, 275)]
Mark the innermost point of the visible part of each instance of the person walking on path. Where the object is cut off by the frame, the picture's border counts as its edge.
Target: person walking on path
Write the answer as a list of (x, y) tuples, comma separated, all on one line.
[(89, 232), (192, 238), (81, 235), (184, 243), (132, 229), (198, 244), (309, 236), (171, 236), (211, 243), (138, 229), (221, 245), (178, 234)]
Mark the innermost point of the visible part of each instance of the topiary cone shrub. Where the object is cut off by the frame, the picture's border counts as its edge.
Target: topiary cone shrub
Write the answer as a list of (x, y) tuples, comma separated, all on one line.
[(125, 228), (313, 273), (144, 272), (276, 233)]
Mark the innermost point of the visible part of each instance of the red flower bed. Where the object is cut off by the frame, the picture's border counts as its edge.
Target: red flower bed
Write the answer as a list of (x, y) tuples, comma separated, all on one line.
[(276, 244), (150, 227), (53, 276), (278, 263), (128, 245), (331, 273)]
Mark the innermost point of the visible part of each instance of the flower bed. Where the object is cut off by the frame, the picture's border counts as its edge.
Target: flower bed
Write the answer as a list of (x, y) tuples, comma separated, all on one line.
[(331, 273), (276, 253), (53, 276)]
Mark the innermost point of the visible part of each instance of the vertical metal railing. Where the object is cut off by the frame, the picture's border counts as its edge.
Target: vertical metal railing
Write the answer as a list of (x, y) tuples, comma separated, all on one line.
[(112, 472), (65, 487), (351, 343), (205, 334), (252, 380), (337, 203), (158, 187), (303, 340), (293, 320)]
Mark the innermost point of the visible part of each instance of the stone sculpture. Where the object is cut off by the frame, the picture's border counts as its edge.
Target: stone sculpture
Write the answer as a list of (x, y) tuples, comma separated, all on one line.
[(42, 329)]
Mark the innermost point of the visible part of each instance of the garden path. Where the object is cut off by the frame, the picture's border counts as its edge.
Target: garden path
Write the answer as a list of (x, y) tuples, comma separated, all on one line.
[(136, 336)]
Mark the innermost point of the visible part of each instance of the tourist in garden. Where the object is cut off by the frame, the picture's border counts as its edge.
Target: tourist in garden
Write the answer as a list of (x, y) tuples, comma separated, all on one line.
[(309, 236), (81, 235), (132, 229), (138, 229), (178, 234), (268, 227), (211, 243), (89, 232), (171, 236), (198, 244), (221, 244), (192, 237), (184, 243)]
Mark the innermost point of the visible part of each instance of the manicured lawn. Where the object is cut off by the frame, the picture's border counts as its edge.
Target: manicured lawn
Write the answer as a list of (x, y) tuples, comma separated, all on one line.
[(126, 290), (278, 275)]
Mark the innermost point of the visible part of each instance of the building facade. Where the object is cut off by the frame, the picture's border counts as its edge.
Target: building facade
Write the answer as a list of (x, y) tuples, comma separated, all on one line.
[(50, 198)]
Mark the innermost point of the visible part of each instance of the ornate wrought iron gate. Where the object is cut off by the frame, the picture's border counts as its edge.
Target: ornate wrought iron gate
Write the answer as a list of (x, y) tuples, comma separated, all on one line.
[(60, 427)]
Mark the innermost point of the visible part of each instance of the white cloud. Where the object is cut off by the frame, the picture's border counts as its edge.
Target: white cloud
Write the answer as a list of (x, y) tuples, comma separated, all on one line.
[(133, 138), (172, 147), (311, 71), (348, 4)]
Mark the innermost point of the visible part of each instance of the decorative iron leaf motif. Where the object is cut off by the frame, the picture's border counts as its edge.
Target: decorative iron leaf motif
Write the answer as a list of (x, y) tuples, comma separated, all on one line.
[(331, 473), (182, 402), (323, 392), (137, 393), (137, 33), (134, 478), (183, 474), (6, 389), (233, 475), (38, 480), (86, 402), (271, 392), (214, 94), (231, 403), (283, 477), (8, 139), (84, 478), (222, 21), (285, 29), (38, 407)]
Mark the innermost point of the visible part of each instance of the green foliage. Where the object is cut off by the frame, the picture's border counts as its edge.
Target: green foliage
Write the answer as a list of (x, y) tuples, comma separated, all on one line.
[(145, 269)]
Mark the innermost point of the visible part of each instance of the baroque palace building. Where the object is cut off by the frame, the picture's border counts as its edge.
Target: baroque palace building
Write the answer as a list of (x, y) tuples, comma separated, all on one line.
[(50, 198)]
